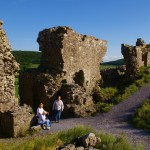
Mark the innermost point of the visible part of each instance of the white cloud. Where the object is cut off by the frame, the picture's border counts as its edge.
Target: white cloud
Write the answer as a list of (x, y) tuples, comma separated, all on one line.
[(107, 58)]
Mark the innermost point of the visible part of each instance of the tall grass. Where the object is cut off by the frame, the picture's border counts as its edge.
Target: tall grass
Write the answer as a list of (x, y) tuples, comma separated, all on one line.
[(141, 118), (50, 142)]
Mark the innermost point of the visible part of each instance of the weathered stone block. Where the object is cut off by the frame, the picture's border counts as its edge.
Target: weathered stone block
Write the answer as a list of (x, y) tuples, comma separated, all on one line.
[(15, 123)]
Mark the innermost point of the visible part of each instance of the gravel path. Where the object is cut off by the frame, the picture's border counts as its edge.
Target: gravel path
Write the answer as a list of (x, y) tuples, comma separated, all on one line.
[(115, 120)]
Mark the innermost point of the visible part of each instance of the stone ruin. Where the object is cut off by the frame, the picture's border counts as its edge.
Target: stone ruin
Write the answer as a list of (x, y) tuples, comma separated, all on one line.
[(136, 56), (14, 118), (70, 66)]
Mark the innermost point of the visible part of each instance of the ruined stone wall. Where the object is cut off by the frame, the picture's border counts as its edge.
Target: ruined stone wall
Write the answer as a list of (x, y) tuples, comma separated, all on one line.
[(16, 122), (13, 118), (112, 76), (136, 56), (76, 56), (70, 66), (8, 67)]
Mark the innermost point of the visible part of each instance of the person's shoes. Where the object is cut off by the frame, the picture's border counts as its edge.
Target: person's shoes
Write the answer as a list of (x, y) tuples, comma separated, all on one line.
[(44, 126), (48, 128)]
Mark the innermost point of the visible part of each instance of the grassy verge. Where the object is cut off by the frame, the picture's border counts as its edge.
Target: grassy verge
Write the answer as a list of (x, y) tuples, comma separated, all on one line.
[(50, 142), (141, 118), (105, 98)]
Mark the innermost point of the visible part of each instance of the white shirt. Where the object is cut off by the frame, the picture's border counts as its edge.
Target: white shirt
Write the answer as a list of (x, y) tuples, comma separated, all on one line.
[(40, 111), (40, 114), (58, 105)]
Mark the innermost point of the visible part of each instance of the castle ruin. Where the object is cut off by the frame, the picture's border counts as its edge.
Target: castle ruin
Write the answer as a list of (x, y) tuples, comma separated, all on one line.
[(70, 65), (136, 56)]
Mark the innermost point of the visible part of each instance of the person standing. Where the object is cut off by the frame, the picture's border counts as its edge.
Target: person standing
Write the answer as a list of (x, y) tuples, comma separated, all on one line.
[(58, 108), (42, 120)]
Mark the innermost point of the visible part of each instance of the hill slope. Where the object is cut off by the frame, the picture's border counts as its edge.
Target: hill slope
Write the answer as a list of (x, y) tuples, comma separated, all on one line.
[(118, 62), (27, 59), (30, 59), (112, 64)]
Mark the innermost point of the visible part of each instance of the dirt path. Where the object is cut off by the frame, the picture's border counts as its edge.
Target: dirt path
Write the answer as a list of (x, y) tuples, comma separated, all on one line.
[(114, 121)]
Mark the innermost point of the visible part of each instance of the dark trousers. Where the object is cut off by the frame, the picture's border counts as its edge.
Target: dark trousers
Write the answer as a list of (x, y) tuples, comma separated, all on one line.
[(57, 114)]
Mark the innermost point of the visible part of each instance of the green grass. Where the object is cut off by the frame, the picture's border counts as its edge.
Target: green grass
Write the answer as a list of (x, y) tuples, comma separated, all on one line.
[(141, 118), (105, 98), (106, 66), (112, 64), (27, 59), (17, 86), (50, 142)]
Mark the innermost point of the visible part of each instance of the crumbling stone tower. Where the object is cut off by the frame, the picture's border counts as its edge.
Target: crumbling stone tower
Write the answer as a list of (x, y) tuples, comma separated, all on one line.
[(13, 118), (69, 65), (76, 56), (136, 56)]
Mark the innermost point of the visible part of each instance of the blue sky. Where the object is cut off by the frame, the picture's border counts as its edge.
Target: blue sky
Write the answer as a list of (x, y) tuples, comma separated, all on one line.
[(117, 21)]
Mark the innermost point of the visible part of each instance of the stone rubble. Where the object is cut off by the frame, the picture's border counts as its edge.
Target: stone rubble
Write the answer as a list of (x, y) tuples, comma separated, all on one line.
[(86, 142)]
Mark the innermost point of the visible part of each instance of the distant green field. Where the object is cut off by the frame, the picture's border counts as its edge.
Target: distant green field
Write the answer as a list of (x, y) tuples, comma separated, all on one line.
[(111, 64), (27, 59)]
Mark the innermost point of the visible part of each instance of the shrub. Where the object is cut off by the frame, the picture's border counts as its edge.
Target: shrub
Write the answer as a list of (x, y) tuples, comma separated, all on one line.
[(104, 107), (104, 94)]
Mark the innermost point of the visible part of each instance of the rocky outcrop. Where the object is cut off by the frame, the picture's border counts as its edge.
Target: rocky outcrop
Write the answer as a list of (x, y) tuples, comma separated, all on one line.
[(14, 118), (86, 142), (69, 66), (136, 56)]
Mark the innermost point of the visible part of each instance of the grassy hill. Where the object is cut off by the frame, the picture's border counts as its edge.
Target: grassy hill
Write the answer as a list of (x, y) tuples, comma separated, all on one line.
[(27, 59), (31, 59), (112, 64)]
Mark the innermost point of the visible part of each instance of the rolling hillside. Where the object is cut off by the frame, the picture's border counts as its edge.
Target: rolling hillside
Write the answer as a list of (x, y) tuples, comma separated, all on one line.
[(112, 64), (31, 59), (27, 59)]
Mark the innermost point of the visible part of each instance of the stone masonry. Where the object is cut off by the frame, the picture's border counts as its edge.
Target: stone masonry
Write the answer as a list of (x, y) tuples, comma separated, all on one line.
[(8, 102), (69, 66), (75, 55), (136, 56), (8, 67)]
